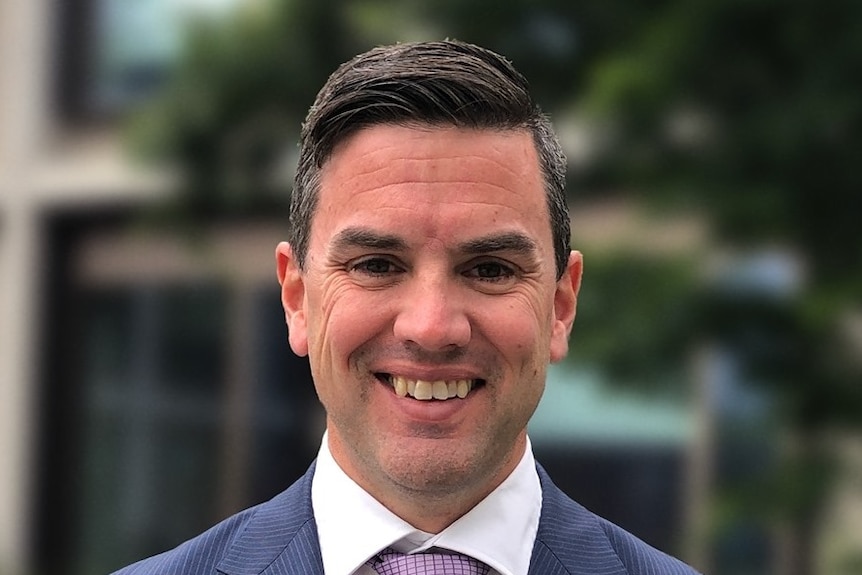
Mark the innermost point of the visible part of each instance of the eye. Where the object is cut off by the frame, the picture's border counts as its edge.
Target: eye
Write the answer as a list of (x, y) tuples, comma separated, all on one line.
[(375, 267), (491, 271)]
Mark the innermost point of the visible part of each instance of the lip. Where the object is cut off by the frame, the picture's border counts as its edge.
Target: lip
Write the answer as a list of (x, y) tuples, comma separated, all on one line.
[(428, 411), (429, 373)]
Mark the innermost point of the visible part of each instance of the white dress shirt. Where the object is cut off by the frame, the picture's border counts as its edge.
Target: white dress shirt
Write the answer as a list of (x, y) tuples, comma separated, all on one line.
[(353, 526)]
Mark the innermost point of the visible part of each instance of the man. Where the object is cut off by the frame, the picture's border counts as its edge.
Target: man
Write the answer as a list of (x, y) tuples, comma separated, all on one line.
[(428, 278)]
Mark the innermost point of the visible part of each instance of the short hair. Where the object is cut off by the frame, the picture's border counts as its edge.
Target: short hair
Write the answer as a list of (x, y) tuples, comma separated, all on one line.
[(442, 83)]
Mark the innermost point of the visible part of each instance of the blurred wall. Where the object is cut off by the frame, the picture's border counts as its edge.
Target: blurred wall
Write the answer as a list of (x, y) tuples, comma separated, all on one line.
[(44, 165), (24, 131)]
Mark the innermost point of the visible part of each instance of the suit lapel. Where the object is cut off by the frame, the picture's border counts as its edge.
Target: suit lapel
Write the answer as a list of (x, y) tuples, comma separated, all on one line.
[(570, 539), (281, 538)]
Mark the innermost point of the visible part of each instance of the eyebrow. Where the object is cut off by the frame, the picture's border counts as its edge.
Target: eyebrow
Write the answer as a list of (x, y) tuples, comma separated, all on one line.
[(354, 237), (361, 237), (504, 242)]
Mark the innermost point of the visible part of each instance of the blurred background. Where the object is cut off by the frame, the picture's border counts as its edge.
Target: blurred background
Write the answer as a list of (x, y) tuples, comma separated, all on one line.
[(712, 401)]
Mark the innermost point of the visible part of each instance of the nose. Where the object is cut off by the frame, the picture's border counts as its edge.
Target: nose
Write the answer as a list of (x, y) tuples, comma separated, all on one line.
[(432, 317)]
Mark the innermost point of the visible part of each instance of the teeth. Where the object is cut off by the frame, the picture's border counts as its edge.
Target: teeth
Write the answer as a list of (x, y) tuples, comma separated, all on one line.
[(464, 387), (400, 387), (426, 390)]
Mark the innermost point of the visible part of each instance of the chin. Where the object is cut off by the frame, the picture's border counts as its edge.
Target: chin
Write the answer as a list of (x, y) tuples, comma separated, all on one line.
[(435, 468)]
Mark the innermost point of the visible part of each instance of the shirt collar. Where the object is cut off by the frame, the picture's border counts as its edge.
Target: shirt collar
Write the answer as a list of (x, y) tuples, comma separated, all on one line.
[(352, 525)]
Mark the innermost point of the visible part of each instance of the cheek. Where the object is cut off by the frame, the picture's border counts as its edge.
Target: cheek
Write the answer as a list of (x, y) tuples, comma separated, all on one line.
[(517, 326), (346, 317)]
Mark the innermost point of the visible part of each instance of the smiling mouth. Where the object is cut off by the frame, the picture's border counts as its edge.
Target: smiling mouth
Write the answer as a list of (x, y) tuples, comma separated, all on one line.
[(422, 390)]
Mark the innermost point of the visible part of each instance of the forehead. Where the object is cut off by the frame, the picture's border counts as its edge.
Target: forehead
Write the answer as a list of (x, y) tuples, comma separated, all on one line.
[(435, 177), (384, 142)]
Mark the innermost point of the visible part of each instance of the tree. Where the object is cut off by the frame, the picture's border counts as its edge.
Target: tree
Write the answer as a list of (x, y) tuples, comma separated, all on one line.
[(751, 109), (748, 113)]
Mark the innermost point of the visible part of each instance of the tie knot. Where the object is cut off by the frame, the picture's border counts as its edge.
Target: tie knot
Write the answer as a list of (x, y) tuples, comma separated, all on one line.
[(391, 562)]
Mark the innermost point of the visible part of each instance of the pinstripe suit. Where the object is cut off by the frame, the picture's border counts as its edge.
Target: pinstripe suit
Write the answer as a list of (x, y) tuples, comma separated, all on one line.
[(279, 537)]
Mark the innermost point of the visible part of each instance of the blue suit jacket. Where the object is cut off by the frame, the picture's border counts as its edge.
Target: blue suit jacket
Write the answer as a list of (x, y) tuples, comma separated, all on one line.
[(279, 537)]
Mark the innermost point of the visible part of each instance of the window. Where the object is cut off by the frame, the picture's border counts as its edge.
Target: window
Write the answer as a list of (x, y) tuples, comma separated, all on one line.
[(115, 53), (173, 398)]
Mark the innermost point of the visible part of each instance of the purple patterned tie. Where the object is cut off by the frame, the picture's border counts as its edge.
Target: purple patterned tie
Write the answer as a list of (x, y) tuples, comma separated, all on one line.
[(391, 562)]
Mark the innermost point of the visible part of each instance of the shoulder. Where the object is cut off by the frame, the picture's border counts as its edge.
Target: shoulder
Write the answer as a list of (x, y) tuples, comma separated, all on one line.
[(256, 536), (197, 555), (639, 557), (580, 541)]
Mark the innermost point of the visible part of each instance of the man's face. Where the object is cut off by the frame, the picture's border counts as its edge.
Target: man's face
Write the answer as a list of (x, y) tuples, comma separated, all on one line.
[(430, 268)]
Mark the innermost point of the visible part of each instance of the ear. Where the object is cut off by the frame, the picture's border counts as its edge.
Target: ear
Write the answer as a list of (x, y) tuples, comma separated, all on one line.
[(565, 306), (292, 297)]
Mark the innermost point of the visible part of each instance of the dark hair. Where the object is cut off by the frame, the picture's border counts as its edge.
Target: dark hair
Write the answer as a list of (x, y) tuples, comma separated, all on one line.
[(448, 83)]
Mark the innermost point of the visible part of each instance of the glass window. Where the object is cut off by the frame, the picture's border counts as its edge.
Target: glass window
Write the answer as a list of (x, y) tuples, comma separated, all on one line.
[(157, 465), (153, 385), (288, 419), (136, 43)]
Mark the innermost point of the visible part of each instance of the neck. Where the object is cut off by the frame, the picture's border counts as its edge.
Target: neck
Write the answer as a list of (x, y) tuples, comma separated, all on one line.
[(428, 503), (433, 513)]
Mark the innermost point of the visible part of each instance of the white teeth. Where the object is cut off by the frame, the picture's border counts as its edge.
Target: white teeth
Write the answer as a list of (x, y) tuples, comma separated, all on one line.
[(400, 387), (426, 390)]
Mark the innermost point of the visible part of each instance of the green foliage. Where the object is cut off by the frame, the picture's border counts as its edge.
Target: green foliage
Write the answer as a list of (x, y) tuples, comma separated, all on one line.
[(790, 490), (636, 316), (776, 85), (770, 91), (230, 117), (773, 90)]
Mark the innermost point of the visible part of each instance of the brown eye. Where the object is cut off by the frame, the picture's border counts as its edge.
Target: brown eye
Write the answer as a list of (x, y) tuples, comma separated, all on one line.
[(375, 266), (492, 270)]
